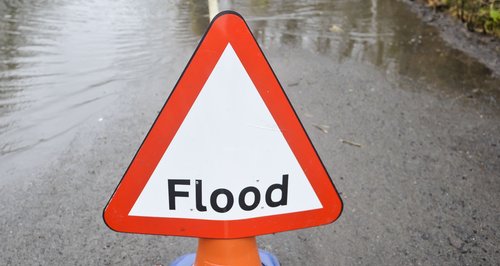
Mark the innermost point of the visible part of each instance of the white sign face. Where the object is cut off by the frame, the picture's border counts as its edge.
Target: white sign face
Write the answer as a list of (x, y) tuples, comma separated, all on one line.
[(228, 160)]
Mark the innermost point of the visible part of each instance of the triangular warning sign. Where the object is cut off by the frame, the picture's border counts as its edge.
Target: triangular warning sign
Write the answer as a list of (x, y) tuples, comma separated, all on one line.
[(227, 156)]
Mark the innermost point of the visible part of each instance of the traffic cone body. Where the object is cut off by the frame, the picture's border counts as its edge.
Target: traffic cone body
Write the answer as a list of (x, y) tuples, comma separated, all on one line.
[(227, 252)]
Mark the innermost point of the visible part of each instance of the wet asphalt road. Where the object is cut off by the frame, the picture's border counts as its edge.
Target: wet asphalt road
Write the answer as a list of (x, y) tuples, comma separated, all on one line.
[(422, 187)]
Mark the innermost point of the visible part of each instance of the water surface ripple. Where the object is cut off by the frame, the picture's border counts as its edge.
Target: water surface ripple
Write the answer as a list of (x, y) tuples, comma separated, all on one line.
[(64, 61)]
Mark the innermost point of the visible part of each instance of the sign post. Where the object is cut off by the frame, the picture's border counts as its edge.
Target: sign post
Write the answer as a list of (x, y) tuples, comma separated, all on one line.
[(227, 157)]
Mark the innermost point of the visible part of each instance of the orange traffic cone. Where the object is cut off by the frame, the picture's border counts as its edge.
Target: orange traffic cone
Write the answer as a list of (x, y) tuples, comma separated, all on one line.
[(225, 252)]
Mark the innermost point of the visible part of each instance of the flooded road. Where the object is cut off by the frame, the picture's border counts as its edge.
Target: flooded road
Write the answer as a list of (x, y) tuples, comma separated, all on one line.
[(82, 81), (63, 63)]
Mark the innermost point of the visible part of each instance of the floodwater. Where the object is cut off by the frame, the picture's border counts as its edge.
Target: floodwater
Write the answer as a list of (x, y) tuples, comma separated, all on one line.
[(64, 62)]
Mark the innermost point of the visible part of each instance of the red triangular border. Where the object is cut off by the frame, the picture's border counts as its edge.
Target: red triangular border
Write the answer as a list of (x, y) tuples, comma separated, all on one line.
[(227, 27)]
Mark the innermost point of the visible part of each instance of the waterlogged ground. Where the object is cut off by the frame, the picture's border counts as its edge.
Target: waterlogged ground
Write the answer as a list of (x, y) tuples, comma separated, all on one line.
[(406, 126)]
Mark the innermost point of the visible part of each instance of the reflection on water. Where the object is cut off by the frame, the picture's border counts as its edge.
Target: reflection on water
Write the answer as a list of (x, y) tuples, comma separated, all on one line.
[(383, 33), (63, 62)]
